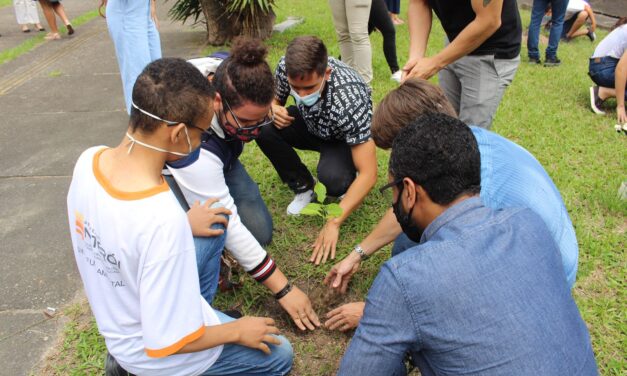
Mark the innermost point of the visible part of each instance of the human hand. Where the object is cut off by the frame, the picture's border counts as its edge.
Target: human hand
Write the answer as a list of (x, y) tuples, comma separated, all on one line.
[(325, 243), (282, 118), (256, 333), (341, 273), (345, 317), (620, 115), (425, 68), (298, 306), (202, 217)]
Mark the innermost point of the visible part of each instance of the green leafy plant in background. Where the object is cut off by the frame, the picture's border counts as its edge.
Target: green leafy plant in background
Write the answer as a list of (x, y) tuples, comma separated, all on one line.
[(324, 211)]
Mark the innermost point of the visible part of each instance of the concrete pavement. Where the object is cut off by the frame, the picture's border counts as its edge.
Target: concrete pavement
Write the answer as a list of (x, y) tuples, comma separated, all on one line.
[(55, 101)]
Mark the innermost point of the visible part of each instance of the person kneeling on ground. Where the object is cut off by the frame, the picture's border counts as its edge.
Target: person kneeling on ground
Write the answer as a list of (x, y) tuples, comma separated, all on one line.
[(332, 116), (510, 175), (608, 69), (244, 92), (577, 13), (134, 248), (479, 293)]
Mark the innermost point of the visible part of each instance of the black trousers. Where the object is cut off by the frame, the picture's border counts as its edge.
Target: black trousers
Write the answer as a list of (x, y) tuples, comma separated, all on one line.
[(336, 169), (380, 19)]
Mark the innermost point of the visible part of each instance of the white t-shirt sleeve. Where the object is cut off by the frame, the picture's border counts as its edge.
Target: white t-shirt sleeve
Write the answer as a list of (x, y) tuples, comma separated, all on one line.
[(171, 312), (204, 179)]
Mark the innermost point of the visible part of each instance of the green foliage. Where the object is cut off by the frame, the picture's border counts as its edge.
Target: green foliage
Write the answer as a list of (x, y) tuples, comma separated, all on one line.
[(183, 10), (320, 209)]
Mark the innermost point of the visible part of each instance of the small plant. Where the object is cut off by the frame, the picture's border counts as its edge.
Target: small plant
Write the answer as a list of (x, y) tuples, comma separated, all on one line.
[(324, 211)]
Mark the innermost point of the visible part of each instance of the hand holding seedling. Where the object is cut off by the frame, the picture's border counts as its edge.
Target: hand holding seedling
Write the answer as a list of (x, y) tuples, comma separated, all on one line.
[(327, 239)]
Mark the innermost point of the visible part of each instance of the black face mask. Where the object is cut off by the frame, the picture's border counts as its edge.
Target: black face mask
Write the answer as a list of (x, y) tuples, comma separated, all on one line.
[(413, 232)]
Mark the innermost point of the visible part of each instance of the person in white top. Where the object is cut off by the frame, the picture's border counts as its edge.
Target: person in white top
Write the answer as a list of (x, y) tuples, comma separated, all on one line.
[(608, 69), (245, 89), (134, 249), (577, 13)]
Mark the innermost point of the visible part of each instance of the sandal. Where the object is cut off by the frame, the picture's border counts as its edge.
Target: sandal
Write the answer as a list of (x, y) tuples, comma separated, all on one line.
[(52, 36)]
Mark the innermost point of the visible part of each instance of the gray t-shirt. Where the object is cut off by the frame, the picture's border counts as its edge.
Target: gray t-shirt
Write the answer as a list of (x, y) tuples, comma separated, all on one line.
[(614, 44)]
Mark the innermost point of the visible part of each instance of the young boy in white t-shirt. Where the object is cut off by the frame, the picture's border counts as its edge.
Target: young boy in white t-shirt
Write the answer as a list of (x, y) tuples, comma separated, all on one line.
[(134, 249)]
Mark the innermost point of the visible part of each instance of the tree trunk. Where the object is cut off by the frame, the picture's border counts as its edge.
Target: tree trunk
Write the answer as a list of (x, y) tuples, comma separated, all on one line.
[(222, 27)]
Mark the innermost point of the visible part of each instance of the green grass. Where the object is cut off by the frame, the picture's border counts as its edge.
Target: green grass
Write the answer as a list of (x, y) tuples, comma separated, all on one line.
[(545, 110), (5, 3), (30, 43)]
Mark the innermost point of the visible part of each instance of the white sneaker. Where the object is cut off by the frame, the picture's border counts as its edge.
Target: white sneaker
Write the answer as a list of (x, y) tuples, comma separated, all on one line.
[(396, 76), (299, 202)]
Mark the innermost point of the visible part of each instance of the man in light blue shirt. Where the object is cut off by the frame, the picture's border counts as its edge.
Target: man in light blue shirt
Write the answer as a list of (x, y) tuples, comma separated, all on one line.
[(482, 292), (510, 175)]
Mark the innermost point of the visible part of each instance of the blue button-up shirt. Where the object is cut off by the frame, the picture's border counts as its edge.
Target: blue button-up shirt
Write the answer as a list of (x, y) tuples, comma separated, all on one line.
[(483, 293)]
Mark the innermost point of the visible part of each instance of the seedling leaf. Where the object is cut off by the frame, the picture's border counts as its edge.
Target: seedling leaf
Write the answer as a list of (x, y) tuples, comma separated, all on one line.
[(333, 210), (312, 209), (321, 192)]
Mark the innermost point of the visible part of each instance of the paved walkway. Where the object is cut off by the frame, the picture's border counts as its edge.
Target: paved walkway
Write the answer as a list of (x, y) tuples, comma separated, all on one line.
[(55, 101)]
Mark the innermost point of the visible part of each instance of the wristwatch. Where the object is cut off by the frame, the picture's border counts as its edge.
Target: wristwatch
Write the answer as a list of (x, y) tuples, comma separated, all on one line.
[(360, 251)]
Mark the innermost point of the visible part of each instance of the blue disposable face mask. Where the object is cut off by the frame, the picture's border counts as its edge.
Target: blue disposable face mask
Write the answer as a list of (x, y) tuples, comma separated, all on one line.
[(308, 100)]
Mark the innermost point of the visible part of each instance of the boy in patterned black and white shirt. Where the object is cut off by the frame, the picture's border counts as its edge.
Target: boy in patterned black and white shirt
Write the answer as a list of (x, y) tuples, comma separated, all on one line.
[(332, 116)]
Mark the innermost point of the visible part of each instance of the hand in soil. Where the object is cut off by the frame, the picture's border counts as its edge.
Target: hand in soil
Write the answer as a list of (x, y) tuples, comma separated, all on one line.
[(345, 317), (298, 306), (256, 333), (342, 272), (325, 243)]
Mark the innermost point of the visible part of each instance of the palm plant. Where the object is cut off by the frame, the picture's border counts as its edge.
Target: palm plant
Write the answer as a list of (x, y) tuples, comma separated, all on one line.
[(226, 19)]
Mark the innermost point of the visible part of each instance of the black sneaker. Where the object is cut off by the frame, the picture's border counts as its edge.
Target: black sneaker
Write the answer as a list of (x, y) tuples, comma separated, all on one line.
[(70, 29), (552, 62), (591, 35), (535, 60), (596, 103)]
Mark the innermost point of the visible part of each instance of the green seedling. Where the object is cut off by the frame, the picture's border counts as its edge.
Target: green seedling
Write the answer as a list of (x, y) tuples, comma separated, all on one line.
[(320, 209)]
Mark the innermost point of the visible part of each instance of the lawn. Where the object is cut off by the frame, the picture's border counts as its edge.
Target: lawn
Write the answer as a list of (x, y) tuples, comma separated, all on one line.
[(545, 110)]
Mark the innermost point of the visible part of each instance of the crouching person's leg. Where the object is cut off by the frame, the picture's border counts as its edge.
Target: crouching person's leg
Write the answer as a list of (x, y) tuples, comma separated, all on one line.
[(208, 252), (244, 361)]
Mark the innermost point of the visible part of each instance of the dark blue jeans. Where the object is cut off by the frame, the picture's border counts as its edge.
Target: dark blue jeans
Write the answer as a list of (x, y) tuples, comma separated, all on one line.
[(558, 9), (602, 71)]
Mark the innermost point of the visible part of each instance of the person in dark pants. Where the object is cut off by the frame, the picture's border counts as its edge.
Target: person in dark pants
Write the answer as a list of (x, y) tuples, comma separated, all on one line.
[(332, 116), (381, 20), (558, 10)]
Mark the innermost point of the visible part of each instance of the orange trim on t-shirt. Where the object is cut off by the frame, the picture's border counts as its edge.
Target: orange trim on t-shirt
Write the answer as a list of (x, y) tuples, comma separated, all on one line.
[(123, 195), (160, 353)]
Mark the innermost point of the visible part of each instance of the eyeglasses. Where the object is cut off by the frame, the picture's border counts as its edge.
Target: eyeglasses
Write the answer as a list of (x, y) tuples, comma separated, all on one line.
[(267, 120), (170, 122), (395, 183)]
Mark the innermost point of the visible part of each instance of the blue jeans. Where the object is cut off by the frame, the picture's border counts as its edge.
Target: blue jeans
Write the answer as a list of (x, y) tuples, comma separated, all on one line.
[(135, 38), (208, 252), (250, 206), (244, 361), (558, 10), (602, 71)]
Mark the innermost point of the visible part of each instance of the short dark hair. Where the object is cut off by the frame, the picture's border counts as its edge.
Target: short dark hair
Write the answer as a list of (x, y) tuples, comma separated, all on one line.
[(171, 89), (305, 55), (245, 75), (439, 153), (400, 106)]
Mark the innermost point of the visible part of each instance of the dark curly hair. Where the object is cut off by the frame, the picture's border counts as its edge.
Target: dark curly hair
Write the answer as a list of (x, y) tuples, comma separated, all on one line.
[(439, 153), (171, 89), (245, 76)]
